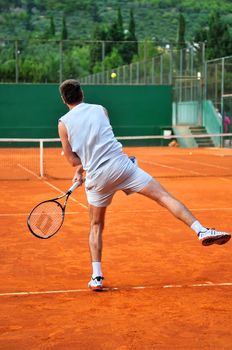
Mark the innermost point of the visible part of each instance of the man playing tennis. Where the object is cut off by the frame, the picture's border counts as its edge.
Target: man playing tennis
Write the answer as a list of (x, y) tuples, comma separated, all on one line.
[(89, 145)]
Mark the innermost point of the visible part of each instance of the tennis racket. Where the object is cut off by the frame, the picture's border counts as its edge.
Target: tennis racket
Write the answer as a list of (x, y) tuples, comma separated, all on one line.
[(47, 217)]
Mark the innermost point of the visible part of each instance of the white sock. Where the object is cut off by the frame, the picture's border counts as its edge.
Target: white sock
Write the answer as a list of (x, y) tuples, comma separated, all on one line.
[(197, 227), (96, 269)]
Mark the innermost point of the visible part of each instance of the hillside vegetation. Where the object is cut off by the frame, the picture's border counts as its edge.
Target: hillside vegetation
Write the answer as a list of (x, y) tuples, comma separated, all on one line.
[(154, 19), (47, 40)]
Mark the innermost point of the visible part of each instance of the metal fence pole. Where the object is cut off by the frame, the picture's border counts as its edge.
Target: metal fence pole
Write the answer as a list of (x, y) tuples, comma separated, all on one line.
[(191, 62), (161, 69), (103, 57), (170, 67), (181, 62), (222, 95), (16, 62), (181, 72), (145, 63), (203, 53), (118, 74), (61, 61), (130, 73), (216, 86), (205, 79), (153, 70), (137, 72)]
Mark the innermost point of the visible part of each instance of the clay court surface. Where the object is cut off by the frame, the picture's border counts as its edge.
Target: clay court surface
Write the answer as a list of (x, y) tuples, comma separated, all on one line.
[(163, 290)]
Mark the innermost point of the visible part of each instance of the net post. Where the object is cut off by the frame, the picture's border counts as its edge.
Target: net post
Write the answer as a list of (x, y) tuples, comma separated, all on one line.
[(222, 100), (41, 159)]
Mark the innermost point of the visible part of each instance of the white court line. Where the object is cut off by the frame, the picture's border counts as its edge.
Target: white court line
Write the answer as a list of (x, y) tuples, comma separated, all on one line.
[(52, 186), (202, 163), (209, 165), (170, 167), (111, 289), (124, 211), (189, 171), (165, 210), (28, 171), (225, 179)]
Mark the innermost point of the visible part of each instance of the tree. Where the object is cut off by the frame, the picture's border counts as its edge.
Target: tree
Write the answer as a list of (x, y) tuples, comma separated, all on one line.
[(132, 26), (115, 34), (75, 62), (113, 60), (97, 50), (181, 33), (64, 32), (131, 47), (52, 26), (181, 45), (199, 40), (219, 41), (120, 26), (28, 23), (226, 42), (95, 13), (51, 30)]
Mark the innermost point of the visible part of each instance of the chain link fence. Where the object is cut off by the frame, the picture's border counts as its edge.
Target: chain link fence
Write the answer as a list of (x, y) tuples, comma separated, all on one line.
[(218, 83), (44, 61), (158, 70), (51, 61)]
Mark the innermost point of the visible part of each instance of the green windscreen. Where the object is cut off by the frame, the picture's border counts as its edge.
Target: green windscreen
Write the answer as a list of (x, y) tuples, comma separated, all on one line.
[(32, 110)]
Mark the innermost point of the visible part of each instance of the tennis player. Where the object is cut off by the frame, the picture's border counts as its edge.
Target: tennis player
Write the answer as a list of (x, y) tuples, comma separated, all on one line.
[(89, 145)]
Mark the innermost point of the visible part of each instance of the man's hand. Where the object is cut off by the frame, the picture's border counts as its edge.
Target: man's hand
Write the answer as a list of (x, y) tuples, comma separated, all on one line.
[(78, 176)]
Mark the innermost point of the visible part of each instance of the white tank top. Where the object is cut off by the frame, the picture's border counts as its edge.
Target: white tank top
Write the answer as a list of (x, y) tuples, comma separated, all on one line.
[(91, 136)]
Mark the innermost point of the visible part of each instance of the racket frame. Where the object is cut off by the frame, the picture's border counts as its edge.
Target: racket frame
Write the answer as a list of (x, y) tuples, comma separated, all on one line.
[(55, 200)]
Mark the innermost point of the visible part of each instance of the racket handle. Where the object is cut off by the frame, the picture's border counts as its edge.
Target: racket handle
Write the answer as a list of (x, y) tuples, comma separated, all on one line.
[(74, 186)]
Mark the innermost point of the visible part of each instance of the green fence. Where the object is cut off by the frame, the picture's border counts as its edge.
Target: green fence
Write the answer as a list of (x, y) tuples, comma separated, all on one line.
[(32, 111)]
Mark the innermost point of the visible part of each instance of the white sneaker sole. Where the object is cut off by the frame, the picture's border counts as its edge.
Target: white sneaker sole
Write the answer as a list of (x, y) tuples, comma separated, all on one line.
[(220, 239), (95, 288)]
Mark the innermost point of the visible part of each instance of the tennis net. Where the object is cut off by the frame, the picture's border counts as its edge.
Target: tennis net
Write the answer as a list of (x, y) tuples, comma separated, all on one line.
[(161, 156)]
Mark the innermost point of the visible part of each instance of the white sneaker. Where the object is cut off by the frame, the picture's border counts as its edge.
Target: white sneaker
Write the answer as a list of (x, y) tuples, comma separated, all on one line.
[(211, 236), (96, 283)]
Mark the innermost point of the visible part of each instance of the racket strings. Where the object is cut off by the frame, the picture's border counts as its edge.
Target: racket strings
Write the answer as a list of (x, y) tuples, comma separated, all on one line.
[(46, 218)]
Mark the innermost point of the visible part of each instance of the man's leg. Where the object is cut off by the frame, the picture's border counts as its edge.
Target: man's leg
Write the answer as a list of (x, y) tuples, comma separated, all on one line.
[(97, 220), (156, 192)]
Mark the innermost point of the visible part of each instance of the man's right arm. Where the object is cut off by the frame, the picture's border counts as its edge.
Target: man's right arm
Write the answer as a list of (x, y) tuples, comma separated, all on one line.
[(72, 157)]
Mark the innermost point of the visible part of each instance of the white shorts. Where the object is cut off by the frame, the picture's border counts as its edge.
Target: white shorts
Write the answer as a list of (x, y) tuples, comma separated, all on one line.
[(115, 175)]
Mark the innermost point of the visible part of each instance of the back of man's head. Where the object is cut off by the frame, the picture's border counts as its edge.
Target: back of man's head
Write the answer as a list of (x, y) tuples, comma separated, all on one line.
[(71, 91)]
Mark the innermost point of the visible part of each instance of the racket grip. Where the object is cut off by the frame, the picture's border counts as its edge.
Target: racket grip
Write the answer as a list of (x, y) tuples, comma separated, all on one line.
[(74, 186)]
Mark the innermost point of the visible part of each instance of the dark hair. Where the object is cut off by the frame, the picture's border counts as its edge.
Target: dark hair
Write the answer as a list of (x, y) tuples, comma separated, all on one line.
[(71, 91)]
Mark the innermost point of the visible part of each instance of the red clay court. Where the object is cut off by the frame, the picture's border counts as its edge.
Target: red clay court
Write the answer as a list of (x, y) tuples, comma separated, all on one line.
[(163, 289)]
